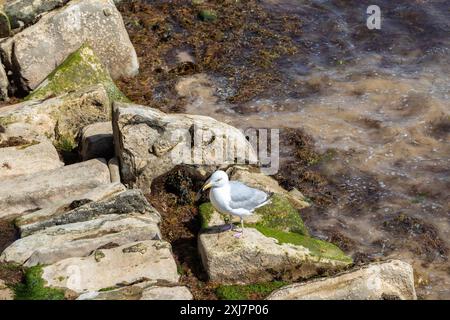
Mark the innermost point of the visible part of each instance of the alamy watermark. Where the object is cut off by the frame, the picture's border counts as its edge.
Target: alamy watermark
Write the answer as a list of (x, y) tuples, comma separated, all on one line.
[(225, 146), (374, 18)]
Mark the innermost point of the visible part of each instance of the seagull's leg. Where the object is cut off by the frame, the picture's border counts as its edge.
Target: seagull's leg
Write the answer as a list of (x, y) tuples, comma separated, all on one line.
[(241, 233), (230, 222), (242, 226)]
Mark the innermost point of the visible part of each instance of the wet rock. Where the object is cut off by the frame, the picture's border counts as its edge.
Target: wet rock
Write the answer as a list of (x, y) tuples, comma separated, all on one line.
[(46, 44), (166, 293), (60, 119), (258, 257), (27, 11), (376, 281), (32, 192), (5, 292), (97, 141), (116, 268), (127, 202), (114, 169), (150, 143), (81, 68), (27, 159), (66, 204), (79, 239)]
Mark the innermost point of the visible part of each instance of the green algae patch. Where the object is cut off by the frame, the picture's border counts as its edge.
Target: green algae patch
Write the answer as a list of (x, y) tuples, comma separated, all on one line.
[(281, 215), (248, 292), (206, 211), (82, 68), (65, 143), (33, 287), (316, 247), (207, 15)]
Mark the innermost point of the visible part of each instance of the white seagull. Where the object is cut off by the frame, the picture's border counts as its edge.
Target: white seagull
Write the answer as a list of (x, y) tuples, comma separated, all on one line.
[(234, 197)]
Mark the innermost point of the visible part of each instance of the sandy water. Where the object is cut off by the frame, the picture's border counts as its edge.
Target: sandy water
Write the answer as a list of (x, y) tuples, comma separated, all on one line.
[(380, 100)]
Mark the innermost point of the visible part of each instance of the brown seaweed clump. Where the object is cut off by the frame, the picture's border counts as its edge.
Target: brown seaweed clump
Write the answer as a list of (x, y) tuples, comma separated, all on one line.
[(238, 41)]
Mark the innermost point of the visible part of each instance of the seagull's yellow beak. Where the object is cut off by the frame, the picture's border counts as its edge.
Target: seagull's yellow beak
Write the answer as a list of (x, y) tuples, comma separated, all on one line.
[(207, 185)]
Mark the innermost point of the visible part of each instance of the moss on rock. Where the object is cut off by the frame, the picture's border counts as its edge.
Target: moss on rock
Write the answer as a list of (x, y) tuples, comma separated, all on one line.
[(316, 247), (281, 215), (206, 211), (82, 68), (33, 287), (247, 292)]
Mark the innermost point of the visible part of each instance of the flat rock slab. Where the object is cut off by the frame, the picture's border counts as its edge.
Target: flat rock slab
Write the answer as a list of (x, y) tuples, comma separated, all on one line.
[(142, 291), (377, 281), (30, 193), (59, 119), (32, 157), (150, 143), (46, 44), (79, 239), (97, 141), (127, 264), (257, 258), (123, 203), (59, 207)]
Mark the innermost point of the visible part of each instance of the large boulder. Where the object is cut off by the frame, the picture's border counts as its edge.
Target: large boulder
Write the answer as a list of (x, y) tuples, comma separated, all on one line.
[(106, 268), (150, 143), (33, 53), (376, 281), (33, 192), (81, 68), (264, 254), (60, 118), (79, 239), (97, 141), (127, 202), (26, 222), (28, 157)]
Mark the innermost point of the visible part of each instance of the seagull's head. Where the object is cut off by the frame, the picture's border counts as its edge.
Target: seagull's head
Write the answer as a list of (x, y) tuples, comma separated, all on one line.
[(218, 179)]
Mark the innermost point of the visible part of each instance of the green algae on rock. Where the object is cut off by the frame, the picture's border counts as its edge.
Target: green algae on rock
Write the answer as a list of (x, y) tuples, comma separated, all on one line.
[(249, 291), (33, 287), (316, 247), (82, 68)]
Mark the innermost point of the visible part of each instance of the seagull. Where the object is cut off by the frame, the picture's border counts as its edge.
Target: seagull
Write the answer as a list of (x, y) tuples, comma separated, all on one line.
[(234, 197)]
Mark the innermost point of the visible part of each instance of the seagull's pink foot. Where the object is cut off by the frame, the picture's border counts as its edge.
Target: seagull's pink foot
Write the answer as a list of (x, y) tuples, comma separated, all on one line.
[(238, 235)]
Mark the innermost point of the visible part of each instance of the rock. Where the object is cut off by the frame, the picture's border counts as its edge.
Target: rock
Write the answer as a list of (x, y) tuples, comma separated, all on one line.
[(28, 158), (166, 293), (114, 169), (33, 192), (60, 119), (79, 239), (150, 143), (5, 292), (141, 291), (4, 84), (25, 222), (376, 281), (124, 265), (27, 11), (46, 44), (126, 202), (82, 68), (97, 141), (258, 257), (5, 27)]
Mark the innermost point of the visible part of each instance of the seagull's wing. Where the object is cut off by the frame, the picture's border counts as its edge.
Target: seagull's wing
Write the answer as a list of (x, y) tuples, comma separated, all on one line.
[(244, 197)]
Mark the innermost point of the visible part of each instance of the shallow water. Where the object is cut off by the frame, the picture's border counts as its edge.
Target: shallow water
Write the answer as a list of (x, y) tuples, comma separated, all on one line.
[(379, 98)]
